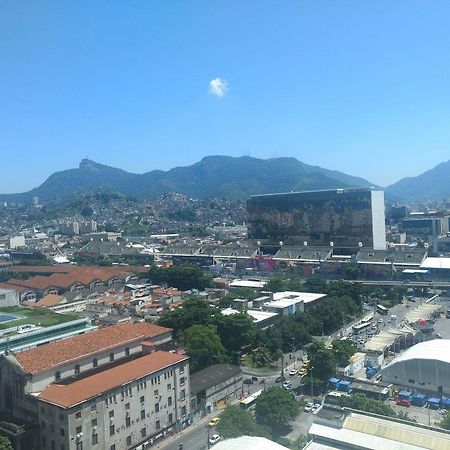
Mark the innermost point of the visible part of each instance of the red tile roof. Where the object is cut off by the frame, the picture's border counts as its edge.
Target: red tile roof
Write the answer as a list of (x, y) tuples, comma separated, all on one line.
[(84, 389), (44, 357)]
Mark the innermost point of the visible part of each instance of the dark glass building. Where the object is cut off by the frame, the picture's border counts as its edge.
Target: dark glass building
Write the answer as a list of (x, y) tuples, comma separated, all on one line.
[(345, 217)]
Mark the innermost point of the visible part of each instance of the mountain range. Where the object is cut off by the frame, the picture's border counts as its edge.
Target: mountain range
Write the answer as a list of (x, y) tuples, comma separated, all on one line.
[(225, 177)]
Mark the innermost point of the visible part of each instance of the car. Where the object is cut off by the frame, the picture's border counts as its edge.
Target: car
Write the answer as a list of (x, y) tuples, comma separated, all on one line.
[(214, 439), (316, 406), (214, 422), (248, 381), (302, 372), (307, 408), (255, 378), (279, 380), (293, 372), (287, 384), (380, 320), (403, 402)]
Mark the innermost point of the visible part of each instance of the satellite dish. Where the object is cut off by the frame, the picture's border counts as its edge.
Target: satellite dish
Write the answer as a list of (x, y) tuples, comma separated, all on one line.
[(281, 243), (305, 244), (331, 244), (360, 244)]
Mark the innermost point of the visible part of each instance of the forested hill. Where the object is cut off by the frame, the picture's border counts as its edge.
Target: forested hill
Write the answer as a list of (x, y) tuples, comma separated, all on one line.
[(212, 177)]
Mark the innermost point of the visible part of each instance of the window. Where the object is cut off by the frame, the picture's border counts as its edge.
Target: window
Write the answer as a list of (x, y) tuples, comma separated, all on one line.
[(158, 425), (80, 445), (95, 362), (143, 414), (94, 438), (43, 441), (142, 399), (127, 352), (43, 425), (93, 408), (169, 387), (129, 440), (169, 401), (79, 429), (57, 375), (111, 414), (52, 428), (94, 422), (127, 421), (77, 369), (113, 447), (170, 418), (127, 406), (181, 369), (42, 410), (183, 394), (156, 393), (61, 417), (181, 381), (143, 432), (156, 407), (61, 431), (78, 415), (53, 445), (183, 411), (63, 447), (111, 357), (112, 430)]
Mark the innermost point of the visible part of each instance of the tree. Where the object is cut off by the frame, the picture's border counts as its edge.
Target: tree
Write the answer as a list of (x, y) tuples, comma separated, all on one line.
[(322, 361), (277, 284), (261, 357), (203, 346), (276, 408), (182, 277), (235, 331), (344, 349), (316, 284), (86, 211), (445, 422), (364, 403), (195, 311), (5, 443), (235, 422)]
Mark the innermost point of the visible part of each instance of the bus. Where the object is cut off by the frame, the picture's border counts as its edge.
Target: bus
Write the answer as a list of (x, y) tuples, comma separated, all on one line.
[(382, 310), (249, 402), (361, 328)]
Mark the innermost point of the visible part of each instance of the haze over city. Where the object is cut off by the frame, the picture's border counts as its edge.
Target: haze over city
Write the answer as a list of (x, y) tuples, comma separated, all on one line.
[(352, 86)]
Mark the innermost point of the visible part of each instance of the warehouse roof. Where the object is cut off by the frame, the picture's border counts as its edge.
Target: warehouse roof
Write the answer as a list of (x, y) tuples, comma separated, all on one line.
[(212, 376), (436, 349)]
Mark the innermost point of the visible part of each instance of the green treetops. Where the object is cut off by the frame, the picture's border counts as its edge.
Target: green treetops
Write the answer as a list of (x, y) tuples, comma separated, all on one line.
[(276, 408)]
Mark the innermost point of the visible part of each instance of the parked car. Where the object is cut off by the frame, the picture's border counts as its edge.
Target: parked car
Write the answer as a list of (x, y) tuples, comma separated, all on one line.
[(279, 380), (255, 378), (214, 422), (293, 372), (287, 384), (403, 402), (214, 439), (308, 407)]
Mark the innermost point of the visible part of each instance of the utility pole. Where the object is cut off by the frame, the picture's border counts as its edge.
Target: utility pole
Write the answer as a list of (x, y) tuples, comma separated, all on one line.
[(312, 382), (293, 349)]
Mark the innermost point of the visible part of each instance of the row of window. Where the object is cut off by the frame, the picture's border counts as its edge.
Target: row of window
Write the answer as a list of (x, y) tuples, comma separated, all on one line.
[(94, 364)]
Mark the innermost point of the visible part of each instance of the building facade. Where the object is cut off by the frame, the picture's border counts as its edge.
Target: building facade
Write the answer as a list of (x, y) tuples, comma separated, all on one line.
[(343, 217)]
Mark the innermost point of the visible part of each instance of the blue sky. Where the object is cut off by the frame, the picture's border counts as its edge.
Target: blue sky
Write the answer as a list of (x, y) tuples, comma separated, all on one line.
[(358, 86)]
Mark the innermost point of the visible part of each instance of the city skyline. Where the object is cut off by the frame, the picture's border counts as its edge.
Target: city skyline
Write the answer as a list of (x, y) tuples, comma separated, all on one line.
[(360, 88)]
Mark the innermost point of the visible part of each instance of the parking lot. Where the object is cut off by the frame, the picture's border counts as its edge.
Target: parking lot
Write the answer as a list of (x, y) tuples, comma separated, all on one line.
[(423, 415)]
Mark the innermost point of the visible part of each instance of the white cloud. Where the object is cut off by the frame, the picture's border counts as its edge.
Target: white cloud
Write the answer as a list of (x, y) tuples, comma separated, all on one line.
[(218, 87)]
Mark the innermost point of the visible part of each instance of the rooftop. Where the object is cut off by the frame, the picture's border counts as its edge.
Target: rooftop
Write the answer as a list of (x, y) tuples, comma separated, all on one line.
[(69, 395), (436, 349), (44, 357), (213, 375)]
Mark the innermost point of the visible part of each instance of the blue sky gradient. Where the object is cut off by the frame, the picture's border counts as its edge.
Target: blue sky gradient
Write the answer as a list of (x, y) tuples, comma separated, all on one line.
[(361, 87)]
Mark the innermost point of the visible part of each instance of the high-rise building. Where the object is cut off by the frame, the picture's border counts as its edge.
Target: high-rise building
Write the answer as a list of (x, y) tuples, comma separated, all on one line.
[(337, 217)]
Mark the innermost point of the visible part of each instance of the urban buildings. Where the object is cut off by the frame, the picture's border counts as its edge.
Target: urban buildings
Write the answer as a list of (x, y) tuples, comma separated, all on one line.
[(338, 217), (112, 388)]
